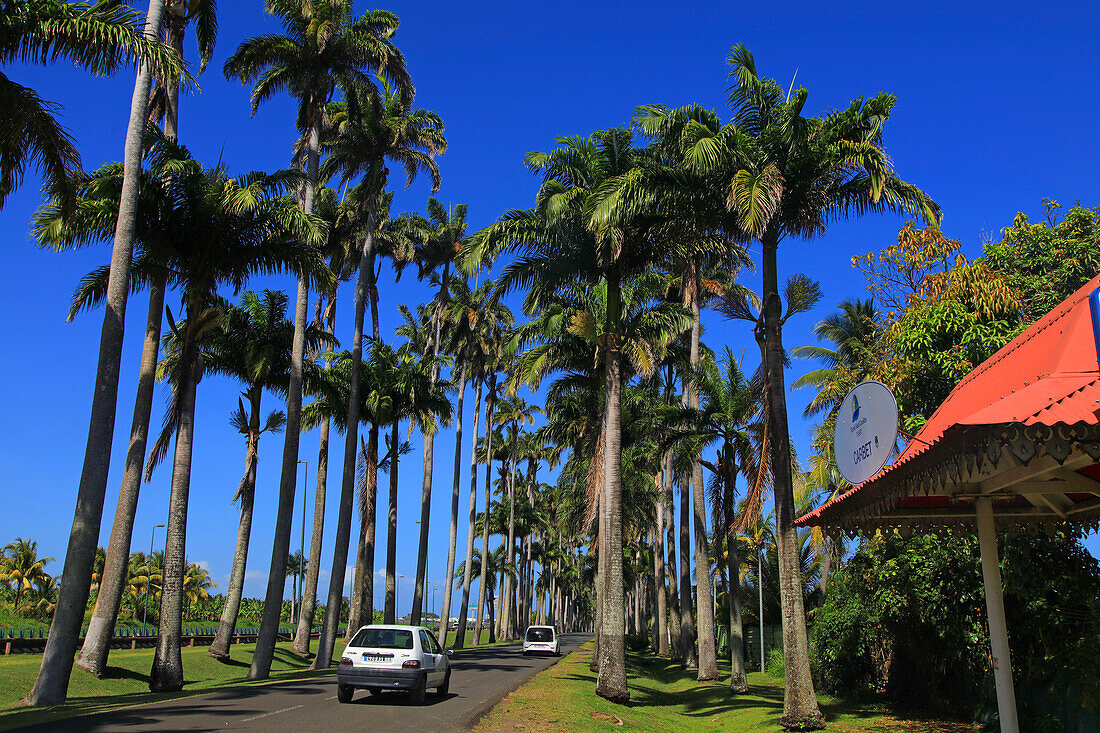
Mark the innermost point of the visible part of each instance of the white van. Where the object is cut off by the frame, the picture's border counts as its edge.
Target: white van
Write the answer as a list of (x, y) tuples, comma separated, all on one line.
[(542, 639)]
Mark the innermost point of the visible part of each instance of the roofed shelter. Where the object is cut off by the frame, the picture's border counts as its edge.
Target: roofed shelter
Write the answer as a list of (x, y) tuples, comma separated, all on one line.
[(1014, 447)]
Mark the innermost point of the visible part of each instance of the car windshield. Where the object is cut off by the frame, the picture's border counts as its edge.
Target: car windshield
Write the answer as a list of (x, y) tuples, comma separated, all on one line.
[(384, 639), (540, 634)]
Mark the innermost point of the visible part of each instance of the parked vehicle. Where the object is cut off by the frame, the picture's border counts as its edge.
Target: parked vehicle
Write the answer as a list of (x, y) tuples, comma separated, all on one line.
[(384, 657), (541, 639)]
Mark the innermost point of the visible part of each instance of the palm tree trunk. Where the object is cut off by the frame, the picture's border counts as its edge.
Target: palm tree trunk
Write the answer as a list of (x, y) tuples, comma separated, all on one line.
[(284, 518), (661, 610), (799, 701), (390, 612), (97, 642), (351, 450), (676, 648), (508, 604), (166, 674), (687, 619), (460, 635), (611, 682), (738, 678), (448, 577), (490, 403), (362, 595), (219, 648), (313, 568), (52, 682), (708, 646), (426, 484), (361, 605)]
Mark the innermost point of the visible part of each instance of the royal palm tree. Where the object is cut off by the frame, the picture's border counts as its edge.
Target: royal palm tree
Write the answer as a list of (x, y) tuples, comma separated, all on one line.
[(445, 230), (252, 346), (856, 332), (324, 49), (225, 230), (295, 567), (513, 413), (483, 320), (374, 126), (178, 15), (729, 402), (165, 102), (407, 392), (52, 682), (782, 175)]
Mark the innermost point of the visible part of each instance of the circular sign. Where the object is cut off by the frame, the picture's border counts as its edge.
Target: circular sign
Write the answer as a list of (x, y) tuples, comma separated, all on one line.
[(866, 430)]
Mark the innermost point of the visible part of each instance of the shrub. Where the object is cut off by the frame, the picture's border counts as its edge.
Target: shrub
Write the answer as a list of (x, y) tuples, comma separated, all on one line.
[(776, 664)]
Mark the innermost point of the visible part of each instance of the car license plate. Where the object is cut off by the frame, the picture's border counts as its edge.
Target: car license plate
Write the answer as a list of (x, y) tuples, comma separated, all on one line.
[(373, 658)]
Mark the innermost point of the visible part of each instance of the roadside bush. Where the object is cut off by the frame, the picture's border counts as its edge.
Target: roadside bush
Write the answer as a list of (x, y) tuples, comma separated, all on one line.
[(637, 642), (906, 619)]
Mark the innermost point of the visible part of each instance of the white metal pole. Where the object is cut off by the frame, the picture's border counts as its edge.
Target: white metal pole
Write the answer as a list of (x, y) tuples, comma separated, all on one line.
[(760, 602), (995, 608)]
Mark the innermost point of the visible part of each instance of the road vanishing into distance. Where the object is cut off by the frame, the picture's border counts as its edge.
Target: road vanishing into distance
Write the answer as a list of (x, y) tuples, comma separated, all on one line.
[(480, 678)]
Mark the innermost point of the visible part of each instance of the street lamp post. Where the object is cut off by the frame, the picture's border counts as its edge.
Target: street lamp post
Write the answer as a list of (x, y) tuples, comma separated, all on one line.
[(396, 588), (149, 573), (302, 542)]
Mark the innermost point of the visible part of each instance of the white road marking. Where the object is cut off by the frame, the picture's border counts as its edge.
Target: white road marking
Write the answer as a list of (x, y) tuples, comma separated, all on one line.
[(273, 712)]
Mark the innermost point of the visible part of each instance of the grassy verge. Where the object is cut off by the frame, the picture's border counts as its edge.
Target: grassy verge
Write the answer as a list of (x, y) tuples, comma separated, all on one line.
[(127, 681), (664, 697)]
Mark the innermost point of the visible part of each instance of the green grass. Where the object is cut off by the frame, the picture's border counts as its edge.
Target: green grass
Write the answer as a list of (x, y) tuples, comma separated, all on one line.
[(127, 680), (664, 697)]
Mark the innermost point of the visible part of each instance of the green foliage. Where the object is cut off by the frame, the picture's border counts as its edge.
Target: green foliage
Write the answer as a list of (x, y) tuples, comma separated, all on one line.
[(906, 618), (776, 665), (1046, 262)]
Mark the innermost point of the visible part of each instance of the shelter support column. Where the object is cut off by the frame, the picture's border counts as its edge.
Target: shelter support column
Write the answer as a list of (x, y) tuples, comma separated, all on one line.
[(995, 608)]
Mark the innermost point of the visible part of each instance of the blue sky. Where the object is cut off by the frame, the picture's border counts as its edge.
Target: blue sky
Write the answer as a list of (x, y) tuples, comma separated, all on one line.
[(996, 110)]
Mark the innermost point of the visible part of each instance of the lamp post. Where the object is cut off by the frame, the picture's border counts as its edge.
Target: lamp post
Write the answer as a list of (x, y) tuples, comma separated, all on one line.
[(302, 542), (396, 589), (149, 573)]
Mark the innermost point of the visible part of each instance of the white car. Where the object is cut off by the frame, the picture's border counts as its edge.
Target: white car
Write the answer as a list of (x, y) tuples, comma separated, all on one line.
[(541, 639), (393, 658)]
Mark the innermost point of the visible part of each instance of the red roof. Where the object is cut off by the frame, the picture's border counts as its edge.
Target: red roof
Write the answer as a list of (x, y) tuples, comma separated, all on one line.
[(1048, 374)]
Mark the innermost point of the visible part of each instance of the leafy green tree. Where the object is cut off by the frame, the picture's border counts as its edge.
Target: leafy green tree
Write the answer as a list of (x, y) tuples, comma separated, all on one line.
[(1046, 262), (959, 320), (324, 50)]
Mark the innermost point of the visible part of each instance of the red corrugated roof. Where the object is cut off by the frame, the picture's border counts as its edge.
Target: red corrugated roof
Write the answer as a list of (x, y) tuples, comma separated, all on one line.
[(1048, 374)]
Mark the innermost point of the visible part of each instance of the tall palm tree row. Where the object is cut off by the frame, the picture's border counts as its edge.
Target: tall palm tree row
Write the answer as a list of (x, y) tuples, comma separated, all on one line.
[(633, 233)]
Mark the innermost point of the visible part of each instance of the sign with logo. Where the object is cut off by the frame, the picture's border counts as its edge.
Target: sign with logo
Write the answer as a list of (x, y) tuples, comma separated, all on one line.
[(866, 429)]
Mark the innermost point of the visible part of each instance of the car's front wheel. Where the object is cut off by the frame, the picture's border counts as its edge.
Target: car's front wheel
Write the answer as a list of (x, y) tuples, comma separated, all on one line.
[(344, 693), (446, 686), (418, 694)]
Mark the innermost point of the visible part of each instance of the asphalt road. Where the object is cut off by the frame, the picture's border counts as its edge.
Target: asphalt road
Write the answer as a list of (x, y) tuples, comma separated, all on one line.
[(481, 677)]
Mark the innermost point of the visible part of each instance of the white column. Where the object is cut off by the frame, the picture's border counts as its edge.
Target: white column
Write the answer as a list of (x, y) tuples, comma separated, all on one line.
[(995, 608)]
